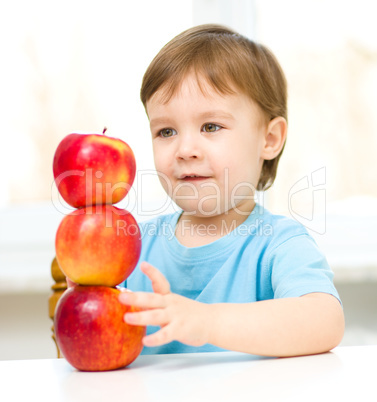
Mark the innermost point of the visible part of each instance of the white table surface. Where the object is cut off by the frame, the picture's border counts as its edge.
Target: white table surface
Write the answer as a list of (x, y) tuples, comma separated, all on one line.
[(346, 373)]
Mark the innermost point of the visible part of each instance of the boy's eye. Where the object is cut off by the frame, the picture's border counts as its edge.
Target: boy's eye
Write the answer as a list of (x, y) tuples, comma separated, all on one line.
[(167, 132), (210, 127)]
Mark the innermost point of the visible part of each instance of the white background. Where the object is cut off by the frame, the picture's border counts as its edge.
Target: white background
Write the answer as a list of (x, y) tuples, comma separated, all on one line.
[(77, 65)]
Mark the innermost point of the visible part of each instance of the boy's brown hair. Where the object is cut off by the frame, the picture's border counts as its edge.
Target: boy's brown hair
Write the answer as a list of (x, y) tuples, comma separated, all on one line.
[(227, 60)]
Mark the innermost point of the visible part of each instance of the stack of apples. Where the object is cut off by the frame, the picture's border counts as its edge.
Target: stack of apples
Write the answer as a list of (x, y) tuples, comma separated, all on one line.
[(97, 247)]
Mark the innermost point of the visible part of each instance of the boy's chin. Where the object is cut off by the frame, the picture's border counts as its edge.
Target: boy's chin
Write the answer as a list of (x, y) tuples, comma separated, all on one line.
[(211, 210), (201, 211)]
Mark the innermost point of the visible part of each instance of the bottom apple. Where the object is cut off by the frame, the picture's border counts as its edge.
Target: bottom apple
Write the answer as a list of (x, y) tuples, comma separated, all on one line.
[(90, 330)]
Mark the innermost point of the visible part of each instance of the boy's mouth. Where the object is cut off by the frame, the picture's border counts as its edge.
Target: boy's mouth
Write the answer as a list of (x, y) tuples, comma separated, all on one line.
[(193, 177)]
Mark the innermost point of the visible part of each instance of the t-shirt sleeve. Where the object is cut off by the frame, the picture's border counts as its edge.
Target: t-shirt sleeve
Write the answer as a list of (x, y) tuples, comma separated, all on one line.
[(298, 267)]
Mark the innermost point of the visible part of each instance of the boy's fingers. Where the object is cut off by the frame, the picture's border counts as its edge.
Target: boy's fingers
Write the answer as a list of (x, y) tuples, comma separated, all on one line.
[(159, 338), (155, 317), (159, 283), (142, 299)]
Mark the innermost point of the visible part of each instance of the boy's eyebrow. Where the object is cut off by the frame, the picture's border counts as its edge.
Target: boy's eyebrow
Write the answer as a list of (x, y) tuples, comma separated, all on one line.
[(216, 114), (204, 115), (159, 121)]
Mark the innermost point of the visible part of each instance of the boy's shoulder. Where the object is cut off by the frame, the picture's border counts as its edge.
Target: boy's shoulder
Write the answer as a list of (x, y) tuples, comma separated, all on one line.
[(280, 228), (282, 223)]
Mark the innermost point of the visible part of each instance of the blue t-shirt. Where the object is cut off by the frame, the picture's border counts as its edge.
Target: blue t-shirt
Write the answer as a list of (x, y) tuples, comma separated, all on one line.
[(266, 257)]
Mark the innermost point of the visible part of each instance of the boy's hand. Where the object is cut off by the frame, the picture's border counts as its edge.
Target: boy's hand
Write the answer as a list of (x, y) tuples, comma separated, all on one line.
[(181, 319)]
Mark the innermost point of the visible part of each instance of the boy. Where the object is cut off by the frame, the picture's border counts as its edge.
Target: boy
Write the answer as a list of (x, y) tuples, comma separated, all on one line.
[(224, 273)]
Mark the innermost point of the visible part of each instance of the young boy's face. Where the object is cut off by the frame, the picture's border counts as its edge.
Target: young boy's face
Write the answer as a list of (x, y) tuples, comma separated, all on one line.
[(207, 148)]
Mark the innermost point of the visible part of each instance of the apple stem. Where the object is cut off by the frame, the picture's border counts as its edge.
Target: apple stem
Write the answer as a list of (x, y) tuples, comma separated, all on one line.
[(104, 130)]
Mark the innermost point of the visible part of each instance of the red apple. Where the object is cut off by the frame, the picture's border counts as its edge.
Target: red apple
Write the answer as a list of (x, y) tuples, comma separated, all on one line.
[(98, 245), (93, 169), (90, 330)]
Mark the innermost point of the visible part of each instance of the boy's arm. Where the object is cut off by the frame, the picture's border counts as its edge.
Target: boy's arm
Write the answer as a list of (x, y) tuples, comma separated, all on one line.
[(304, 325), (310, 324)]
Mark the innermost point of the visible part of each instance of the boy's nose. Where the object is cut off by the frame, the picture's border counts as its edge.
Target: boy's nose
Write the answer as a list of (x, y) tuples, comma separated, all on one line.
[(188, 148)]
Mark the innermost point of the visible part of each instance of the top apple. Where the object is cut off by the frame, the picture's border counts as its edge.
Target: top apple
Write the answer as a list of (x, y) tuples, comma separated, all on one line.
[(93, 169)]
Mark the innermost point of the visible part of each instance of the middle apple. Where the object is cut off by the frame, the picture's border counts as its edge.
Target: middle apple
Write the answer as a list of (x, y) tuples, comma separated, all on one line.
[(98, 245)]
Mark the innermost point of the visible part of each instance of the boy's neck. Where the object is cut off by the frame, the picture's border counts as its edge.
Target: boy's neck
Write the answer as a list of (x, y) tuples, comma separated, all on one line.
[(195, 231)]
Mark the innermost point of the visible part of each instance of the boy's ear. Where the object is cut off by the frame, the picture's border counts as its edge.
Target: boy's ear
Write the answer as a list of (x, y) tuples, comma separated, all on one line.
[(275, 136)]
